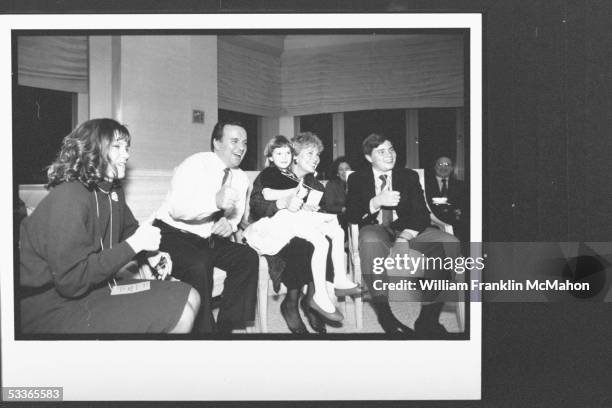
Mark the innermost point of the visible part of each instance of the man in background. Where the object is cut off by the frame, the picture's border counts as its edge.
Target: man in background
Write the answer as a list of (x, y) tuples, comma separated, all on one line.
[(446, 196)]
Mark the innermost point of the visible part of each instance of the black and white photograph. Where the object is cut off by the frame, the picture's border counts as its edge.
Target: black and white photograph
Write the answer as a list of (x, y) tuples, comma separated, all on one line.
[(401, 94), (243, 187), (386, 203)]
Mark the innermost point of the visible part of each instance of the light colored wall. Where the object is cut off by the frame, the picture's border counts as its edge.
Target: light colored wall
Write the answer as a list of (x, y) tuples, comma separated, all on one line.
[(100, 77), (152, 84), (163, 78), (286, 126)]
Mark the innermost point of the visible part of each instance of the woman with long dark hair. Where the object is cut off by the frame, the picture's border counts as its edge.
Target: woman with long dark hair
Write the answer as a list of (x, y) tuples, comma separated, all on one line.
[(80, 235)]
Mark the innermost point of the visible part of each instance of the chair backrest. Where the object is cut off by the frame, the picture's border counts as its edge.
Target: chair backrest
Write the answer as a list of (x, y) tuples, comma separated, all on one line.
[(421, 174), (434, 220), (144, 190)]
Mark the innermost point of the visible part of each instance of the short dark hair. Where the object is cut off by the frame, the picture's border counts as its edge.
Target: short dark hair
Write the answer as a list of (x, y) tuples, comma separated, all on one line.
[(275, 143), (372, 142), (217, 132), (84, 153)]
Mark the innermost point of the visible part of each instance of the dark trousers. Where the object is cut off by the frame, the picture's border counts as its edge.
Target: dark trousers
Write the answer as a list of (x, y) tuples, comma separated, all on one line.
[(377, 241), (298, 272), (194, 259)]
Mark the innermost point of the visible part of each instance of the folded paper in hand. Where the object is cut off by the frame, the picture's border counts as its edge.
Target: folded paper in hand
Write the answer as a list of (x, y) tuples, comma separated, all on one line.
[(314, 197)]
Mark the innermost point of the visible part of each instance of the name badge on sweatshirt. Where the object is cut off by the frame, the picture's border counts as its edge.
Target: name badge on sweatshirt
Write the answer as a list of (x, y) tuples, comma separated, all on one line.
[(130, 288)]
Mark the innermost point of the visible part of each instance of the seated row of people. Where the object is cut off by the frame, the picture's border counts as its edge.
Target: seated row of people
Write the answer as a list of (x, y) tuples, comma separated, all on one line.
[(82, 233)]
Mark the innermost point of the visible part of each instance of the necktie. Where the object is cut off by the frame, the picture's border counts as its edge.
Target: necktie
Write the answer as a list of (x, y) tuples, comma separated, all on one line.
[(387, 214), (444, 190), (226, 175), (216, 216)]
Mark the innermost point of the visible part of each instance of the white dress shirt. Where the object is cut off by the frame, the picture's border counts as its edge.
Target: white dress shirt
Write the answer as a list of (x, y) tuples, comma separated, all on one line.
[(191, 200)]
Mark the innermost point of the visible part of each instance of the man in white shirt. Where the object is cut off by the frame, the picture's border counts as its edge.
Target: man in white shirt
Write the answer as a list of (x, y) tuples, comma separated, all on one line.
[(205, 204), (388, 205)]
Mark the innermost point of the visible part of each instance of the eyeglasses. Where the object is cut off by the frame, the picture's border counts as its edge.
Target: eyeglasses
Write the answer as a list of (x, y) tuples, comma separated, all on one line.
[(443, 164)]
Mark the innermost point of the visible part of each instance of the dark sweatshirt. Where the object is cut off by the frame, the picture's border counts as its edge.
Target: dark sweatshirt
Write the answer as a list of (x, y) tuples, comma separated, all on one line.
[(60, 242)]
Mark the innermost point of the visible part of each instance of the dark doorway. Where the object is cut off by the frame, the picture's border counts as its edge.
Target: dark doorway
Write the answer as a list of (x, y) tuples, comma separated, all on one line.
[(359, 124), (41, 119), (249, 122), (437, 135), (322, 126)]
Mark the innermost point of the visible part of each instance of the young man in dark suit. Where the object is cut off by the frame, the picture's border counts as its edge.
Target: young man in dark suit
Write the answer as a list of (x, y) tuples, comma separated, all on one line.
[(446, 196), (388, 205)]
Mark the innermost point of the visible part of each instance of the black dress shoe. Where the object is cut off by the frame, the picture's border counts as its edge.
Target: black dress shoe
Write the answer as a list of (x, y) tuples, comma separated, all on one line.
[(388, 321), (224, 327), (397, 327), (292, 318), (314, 320), (429, 329)]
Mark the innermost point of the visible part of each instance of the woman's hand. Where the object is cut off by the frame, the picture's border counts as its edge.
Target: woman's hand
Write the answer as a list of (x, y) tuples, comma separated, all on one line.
[(146, 238), (162, 263)]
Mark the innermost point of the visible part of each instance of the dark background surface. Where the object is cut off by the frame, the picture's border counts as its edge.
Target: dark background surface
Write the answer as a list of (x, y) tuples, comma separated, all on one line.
[(547, 134)]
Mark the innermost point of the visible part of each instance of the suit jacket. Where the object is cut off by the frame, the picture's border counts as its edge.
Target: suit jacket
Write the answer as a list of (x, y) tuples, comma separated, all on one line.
[(411, 210), (455, 194)]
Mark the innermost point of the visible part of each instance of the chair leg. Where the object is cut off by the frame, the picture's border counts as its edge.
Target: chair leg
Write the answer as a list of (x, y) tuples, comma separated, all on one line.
[(262, 302), (461, 315), (343, 305), (358, 312), (262, 294)]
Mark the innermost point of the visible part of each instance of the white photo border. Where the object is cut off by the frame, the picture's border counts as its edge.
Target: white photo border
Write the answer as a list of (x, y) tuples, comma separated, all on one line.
[(255, 369)]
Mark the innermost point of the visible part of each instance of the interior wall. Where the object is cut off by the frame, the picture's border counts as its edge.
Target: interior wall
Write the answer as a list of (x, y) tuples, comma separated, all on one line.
[(163, 78), (100, 77)]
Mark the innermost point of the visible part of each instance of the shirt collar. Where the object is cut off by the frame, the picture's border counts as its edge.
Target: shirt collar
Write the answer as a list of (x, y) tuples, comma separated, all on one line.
[(218, 163), (378, 173)]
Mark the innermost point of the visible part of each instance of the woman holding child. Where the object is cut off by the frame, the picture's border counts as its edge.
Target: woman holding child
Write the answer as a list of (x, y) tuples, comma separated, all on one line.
[(289, 194), (80, 235)]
